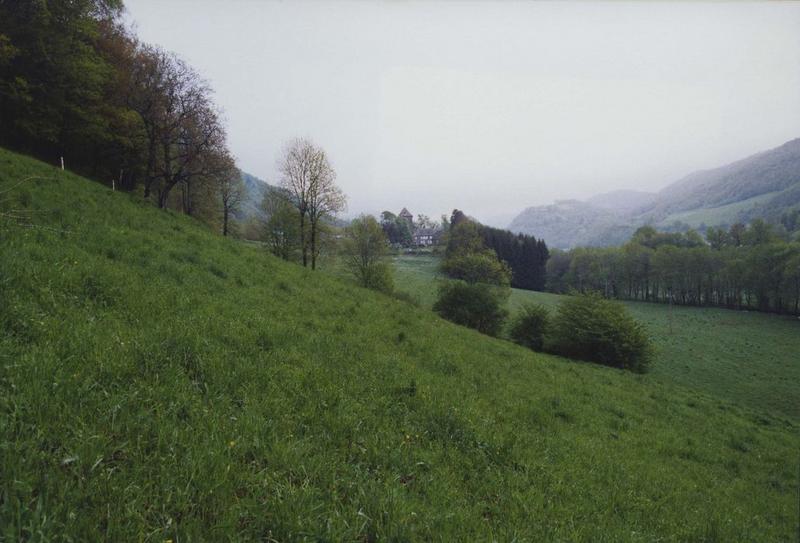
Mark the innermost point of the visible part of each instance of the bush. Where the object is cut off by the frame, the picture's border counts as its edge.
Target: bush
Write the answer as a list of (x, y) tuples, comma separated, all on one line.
[(475, 305), (477, 267), (589, 327), (529, 325), (378, 277), (365, 247)]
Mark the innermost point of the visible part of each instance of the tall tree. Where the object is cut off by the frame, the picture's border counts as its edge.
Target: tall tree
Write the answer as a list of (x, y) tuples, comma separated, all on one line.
[(306, 174), (325, 199), (53, 80)]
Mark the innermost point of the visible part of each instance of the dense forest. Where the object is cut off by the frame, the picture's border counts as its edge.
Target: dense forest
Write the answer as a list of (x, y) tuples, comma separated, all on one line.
[(525, 256), (743, 267), (77, 87)]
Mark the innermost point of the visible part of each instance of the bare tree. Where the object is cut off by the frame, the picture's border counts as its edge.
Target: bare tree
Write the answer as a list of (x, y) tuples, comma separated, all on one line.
[(309, 179), (325, 199), (295, 168), (181, 125), (144, 96)]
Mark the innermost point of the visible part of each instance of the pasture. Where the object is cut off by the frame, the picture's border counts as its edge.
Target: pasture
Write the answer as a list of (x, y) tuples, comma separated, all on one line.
[(748, 358), (159, 382)]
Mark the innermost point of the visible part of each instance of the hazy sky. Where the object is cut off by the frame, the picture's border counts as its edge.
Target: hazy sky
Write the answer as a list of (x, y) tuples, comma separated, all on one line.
[(492, 106)]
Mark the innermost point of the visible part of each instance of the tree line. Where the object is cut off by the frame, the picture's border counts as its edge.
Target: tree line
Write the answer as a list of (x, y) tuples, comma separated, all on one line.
[(77, 85), (525, 256), (742, 267)]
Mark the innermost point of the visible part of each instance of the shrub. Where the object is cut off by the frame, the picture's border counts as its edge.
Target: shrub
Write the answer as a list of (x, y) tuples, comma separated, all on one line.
[(477, 267), (365, 248), (589, 327), (528, 326), (475, 305), (378, 277)]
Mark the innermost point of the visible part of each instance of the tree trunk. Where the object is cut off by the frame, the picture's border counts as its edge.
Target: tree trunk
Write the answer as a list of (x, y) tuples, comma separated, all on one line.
[(149, 175), (313, 244), (303, 247), (164, 194), (225, 221)]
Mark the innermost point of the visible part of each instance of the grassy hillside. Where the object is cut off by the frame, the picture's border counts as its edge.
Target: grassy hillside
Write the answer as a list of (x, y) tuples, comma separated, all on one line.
[(765, 185), (747, 358), (773, 170), (724, 215), (158, 382)]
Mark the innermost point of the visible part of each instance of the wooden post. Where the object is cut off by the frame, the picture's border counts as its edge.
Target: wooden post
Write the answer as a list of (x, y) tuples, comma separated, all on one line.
[(62, 163)]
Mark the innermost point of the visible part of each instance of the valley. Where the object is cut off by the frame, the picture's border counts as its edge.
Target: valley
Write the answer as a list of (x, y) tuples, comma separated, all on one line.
[(744, 357), (205, 388)]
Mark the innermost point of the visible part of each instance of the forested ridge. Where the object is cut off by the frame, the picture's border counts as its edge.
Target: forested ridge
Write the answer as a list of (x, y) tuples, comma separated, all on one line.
[(763, 186), (525, 256)]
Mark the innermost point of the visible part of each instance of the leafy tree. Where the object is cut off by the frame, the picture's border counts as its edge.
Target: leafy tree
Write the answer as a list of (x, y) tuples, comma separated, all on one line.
[(528, 327), (558, 266), (55, 82), (282, 230), (75, 83), (736, 234), (396, 228), (523, 257), (365, 249), (589, 327), (477, 267), (717, 238), (744, 267), (475, 305), (758, 233), (464, 237)]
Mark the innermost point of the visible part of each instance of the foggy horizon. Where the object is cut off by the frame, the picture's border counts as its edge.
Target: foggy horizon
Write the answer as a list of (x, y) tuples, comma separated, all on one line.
[(492, 107)]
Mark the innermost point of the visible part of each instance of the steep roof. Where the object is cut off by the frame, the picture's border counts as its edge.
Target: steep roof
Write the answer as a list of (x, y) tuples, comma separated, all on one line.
[(406, 213)]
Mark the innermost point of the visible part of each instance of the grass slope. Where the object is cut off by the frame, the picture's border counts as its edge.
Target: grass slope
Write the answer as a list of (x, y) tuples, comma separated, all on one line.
[(723, 215), (748, 358), (158, 382)]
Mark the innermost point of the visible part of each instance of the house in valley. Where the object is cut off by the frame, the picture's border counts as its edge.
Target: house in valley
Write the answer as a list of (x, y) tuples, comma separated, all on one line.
[(425, 237), (421, 234)]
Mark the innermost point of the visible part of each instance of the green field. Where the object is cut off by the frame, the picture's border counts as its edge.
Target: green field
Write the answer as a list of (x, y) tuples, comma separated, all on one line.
[(160, 382), (748, 358)]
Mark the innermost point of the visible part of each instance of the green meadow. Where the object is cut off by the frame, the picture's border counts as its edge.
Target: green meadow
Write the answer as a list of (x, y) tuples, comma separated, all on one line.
[(748, 358), (159, 382)]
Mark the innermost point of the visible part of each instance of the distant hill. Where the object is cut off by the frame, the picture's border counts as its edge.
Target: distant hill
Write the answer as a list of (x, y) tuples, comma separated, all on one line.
[(567, 223), (622, 201), (255, 190), (765, 185)]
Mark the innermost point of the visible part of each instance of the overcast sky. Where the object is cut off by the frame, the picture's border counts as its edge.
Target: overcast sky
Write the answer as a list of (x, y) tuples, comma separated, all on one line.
[(491, 107)]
